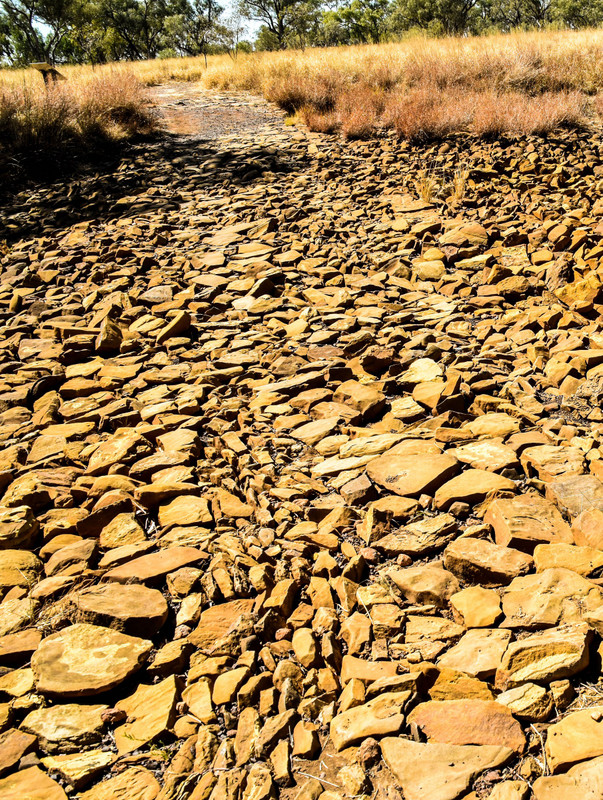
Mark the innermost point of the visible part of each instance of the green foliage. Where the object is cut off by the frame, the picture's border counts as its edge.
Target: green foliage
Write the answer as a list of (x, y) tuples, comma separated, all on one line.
[(37, 28), (364, 21), (95, 31), (283, 21)]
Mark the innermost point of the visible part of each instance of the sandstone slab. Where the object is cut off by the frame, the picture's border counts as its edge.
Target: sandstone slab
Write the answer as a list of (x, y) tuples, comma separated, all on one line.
[(66, 728), (135, 610), (483, 722), (545, 656), (439, 771), (85, 660), (410, 475), (31, 783), (381, 716)]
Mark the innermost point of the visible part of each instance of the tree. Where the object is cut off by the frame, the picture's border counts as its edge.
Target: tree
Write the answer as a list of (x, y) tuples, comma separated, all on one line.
[(37, 27), (577, 13), (266, 40), (233, 31), (364, 20), (195, 27), (6, 44), (304, 24), (137, 24), (88, 40), (450, 17), (277, 17)]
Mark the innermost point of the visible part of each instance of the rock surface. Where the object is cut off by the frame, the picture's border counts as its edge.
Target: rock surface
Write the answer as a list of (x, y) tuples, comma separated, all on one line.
[(299, 470), (86, 659)]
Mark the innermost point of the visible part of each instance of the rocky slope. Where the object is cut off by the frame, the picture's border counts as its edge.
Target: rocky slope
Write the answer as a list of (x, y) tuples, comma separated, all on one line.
[(302, 485)]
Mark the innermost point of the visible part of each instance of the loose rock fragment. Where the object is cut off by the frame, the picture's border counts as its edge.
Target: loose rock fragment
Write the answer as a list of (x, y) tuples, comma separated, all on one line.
[(85, 660)]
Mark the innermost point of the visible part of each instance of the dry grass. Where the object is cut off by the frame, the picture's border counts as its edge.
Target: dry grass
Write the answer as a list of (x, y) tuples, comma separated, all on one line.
[(40, 126), (426, 88), (422, 88)]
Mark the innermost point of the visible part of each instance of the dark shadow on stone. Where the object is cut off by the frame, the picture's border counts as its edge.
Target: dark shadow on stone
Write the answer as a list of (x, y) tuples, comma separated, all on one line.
[(148, 176)]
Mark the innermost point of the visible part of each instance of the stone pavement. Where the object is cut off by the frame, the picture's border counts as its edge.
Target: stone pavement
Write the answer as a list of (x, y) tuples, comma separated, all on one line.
[(301, 491)]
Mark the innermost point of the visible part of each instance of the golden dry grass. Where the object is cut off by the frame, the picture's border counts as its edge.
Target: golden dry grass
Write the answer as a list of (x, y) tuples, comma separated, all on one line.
[(38, 125), (536, 61), (518, 83)]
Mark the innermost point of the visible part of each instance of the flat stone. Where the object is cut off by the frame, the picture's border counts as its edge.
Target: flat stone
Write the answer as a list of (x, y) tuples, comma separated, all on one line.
[(380, 716), (248, 728), (17, 648), (552, 597), (475, 607), (14, 744), (18, 527), (479, 653), (493, 424), (583, 560), (487, 454), (421, 370), (16, 614), (134, 783), (151, 713), (84, 660), (17, 682), (217, 621), (124, 447), (78, 769), (185, 511), (551, 462), (577, 737), (526, 520), (587, 529), (439, 771), (228, 683), (135, 610), (545, 656), (480, 561), (365, 398), (123, 529), (197, 697), (454, 685), (576, 493), (428, 627), (154, 566), (528, 701), (423, 585), (366, 671), (18, 568), (468, 722), (582, 782), (274, 729), (472, 486), (411, 476), (510, 790), (419, 538), (66, 728), (30, 784)]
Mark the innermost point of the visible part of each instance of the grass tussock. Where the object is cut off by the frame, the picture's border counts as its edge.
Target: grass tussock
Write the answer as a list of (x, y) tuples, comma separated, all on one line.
[(41, 127), (429, 88), (422, 88)]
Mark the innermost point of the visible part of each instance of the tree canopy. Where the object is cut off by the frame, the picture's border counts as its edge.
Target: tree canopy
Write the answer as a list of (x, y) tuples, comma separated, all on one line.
[(94, 31)]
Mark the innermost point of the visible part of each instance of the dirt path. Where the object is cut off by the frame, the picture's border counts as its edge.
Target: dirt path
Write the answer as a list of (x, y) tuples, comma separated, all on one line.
[(209, 139), (187, 109)]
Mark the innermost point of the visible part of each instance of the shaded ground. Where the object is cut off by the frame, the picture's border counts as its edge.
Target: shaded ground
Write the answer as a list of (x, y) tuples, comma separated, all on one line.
[(206, 141)]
